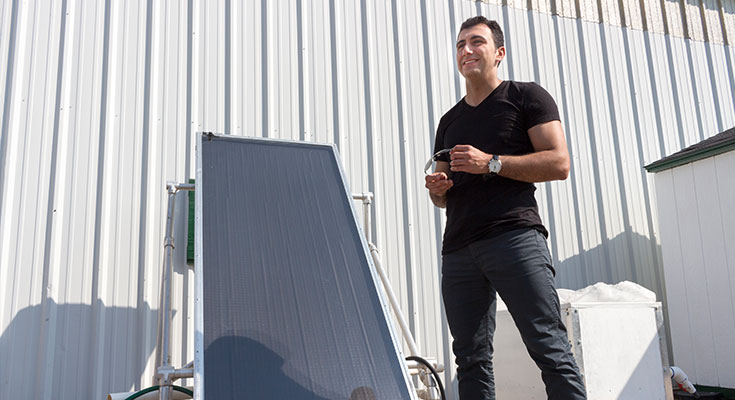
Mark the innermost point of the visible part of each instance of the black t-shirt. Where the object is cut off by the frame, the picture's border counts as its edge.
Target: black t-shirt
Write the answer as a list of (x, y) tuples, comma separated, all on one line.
[(481, 206)]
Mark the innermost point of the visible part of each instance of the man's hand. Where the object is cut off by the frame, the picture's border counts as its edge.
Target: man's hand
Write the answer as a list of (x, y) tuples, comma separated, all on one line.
[(439, 183), (466, 158)]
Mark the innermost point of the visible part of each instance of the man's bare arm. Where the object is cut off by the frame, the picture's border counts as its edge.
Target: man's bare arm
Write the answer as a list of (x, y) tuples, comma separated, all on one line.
[(548, 162)]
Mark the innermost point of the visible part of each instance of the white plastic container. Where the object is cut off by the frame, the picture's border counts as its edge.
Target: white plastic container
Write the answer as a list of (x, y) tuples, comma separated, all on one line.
[(620, 349), (617, 338)]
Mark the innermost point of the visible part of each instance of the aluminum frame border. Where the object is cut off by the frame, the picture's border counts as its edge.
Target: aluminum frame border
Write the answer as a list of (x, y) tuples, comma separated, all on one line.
[(199, 383)]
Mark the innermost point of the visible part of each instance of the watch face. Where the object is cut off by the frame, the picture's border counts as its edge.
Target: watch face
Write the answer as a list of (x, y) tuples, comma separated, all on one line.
[(494, 166)]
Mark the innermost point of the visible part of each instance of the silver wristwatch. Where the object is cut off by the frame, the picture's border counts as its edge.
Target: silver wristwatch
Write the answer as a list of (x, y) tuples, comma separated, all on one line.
[(494, 165)]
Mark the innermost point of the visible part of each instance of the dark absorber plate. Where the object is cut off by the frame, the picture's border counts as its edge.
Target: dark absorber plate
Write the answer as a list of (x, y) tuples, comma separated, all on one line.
[(290, 303)]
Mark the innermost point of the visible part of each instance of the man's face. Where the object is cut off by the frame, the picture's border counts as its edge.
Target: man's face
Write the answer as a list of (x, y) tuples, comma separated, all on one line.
[(476, 52)]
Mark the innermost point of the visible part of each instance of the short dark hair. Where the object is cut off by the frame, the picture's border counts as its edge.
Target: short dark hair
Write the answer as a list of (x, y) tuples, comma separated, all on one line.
[(493, 25)]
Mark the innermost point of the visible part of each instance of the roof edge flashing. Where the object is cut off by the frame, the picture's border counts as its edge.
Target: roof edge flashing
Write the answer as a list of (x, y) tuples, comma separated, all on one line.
[(665, 164)]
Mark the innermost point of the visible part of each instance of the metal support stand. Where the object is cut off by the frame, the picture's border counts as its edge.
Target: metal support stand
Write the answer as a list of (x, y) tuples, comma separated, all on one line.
[(166, 374), (414, 368)]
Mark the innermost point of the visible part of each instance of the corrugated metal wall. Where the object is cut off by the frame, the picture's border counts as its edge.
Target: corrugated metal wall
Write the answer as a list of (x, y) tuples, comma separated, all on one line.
[(101, 102)]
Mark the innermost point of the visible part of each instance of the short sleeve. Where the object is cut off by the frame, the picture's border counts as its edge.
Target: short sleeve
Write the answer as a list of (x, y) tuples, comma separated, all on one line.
[(539, 106)]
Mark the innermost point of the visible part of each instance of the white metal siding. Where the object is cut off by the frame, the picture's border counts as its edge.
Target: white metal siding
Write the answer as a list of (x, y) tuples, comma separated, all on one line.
[(101, 101), (695, 203)]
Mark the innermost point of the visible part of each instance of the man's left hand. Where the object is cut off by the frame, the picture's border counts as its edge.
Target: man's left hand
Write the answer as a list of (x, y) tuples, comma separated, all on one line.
[(466, 158)]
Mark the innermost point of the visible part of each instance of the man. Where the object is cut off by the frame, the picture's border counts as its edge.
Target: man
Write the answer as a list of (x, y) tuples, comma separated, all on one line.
[(503, 136)]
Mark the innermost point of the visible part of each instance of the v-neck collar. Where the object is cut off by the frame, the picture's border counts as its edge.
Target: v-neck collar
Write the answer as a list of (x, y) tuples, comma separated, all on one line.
[(486, 99)]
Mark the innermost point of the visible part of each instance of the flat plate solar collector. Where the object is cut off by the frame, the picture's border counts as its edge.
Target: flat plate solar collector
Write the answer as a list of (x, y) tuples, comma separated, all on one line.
[(287, 303)]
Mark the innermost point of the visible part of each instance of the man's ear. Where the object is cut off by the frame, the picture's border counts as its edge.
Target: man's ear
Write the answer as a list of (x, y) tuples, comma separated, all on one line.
[(500, 54)]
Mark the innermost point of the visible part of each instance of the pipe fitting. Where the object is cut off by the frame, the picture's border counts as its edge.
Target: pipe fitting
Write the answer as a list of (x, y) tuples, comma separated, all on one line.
[(681, 378), (366, 198)]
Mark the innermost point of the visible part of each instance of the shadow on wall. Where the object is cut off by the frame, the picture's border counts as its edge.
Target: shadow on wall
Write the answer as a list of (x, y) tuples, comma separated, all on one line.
[(76, 351), (626, 257)]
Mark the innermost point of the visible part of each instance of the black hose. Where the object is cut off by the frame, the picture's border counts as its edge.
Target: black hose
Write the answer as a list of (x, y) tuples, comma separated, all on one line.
[(433, 372), (156, 387)]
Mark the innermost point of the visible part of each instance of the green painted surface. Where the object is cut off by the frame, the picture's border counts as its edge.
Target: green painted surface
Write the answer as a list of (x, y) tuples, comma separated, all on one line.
[(728, 393), (190, 229)]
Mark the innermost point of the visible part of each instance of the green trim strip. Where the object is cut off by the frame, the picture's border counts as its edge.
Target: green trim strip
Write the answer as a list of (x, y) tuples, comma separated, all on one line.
[(663, 165), (190, 229)]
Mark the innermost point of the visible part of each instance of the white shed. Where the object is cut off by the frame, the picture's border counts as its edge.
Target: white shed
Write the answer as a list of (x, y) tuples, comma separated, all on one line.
[(695, 191)]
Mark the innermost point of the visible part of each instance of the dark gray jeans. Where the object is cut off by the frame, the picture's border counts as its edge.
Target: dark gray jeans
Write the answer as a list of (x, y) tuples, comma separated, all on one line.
[(516, 265)]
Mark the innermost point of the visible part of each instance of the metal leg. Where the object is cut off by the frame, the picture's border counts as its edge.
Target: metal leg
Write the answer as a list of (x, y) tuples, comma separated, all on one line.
[(166, 373)]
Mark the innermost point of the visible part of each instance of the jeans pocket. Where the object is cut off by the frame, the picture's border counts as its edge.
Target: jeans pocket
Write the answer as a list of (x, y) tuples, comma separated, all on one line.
[(543, 247)]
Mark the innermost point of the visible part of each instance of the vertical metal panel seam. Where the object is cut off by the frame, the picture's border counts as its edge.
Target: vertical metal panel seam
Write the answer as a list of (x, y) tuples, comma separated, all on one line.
[(9, 75), (675, 91), (189, 79), (684, 20), (534, 49), (144, 189), (508, 41), (369, 140), (408, 247), (641, 157), (430, 109), (572, 172), (110, 371), (454, 31), (444, 339), (445, 335), (644, 18), (657, 264), (96, 302), (654, 89), (264, 64), (593, 148), (713, 85), (335, 79), (616, 145), (427, 70), (41, 374), (731, 74), (695, 92), (300, 67), (537, 78), (621, 9), (703, 16), (723, 24), (228, 66), (664, 17), (439, 234)]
